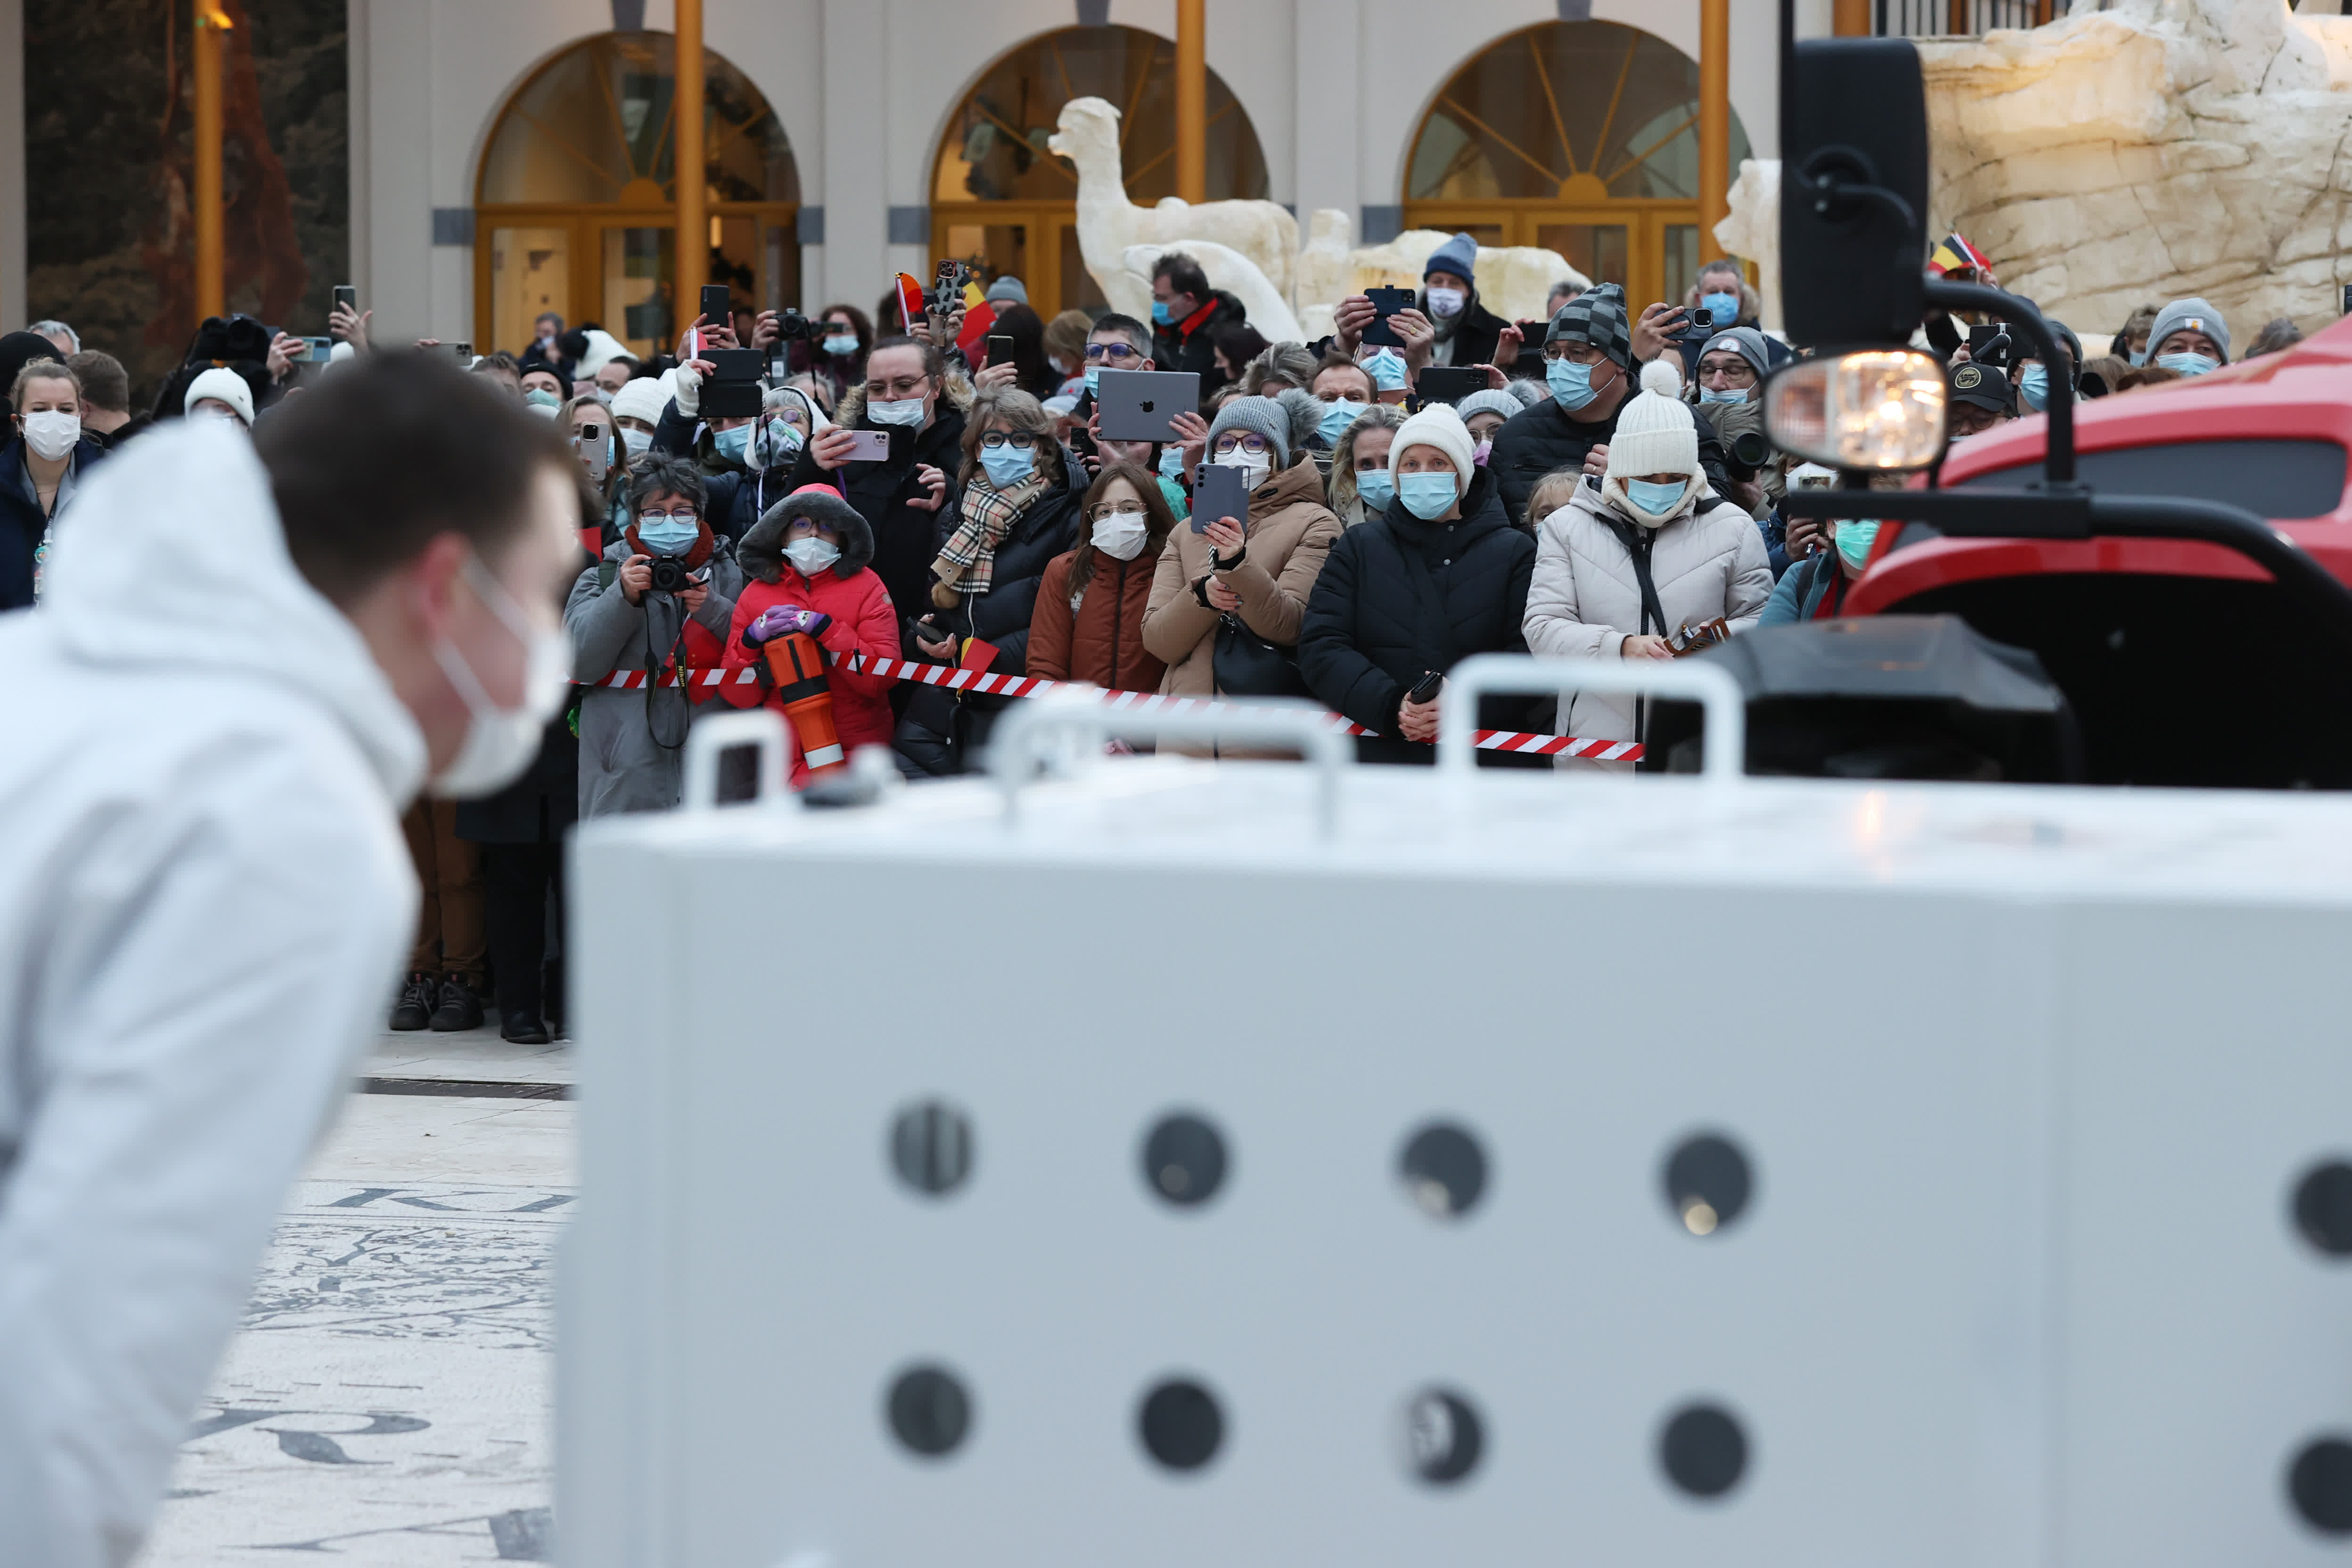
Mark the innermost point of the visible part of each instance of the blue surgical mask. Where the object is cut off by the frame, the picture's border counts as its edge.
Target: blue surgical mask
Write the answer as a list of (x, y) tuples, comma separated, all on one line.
[(667, 537), (1721, 308), (1725, 394), (1386, 367), (842, 346), (1377, 489), (1426, 496), (2137, 356), (1171, 462), (1571, 384), (1337, 417), (2034, 385), (637, 443), (1654, 497), (1855, 537), (1161, 316), (731, 444), (539, 397), (2189, 363), (1094, 378), (1008, 465)]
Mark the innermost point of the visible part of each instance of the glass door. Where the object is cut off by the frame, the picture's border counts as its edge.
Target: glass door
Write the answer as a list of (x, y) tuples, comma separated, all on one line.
[(636, 277)]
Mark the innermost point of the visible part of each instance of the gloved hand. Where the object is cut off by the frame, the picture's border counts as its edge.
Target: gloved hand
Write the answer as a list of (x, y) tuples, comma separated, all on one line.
[(778, 619), (688, 386)]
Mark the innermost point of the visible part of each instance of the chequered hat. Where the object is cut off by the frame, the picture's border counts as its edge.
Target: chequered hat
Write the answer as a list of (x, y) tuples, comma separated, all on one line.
[(1597, 317)]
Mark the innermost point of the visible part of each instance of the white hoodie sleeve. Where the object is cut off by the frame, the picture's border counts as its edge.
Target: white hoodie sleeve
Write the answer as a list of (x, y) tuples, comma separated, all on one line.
[(194, 982)]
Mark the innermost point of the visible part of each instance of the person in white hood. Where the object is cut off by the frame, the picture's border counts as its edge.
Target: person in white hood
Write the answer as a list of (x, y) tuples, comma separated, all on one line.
[(206, 898)]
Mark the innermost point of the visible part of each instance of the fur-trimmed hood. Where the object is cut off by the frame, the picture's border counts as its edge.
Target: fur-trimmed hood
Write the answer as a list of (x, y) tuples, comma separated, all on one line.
[(761, 553), (956, 388)]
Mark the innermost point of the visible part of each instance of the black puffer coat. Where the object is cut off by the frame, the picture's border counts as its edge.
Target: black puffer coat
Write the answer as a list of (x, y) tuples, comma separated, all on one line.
[(1398, 597), (1535, 441), (906, 538)]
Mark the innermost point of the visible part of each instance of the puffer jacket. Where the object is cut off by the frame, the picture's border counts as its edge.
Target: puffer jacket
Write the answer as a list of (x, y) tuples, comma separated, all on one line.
[(1585, 598), (1400, 597), (906, 538), (1535, 441), (1100, 639), (633, 741), (863, 623), (1290, 535)]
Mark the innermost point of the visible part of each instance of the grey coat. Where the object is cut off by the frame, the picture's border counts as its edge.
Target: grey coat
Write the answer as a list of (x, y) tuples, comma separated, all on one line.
[(632, 741)]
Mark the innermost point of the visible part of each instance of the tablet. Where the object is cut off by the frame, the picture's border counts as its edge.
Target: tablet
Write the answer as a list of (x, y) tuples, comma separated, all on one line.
[(1137, 404)]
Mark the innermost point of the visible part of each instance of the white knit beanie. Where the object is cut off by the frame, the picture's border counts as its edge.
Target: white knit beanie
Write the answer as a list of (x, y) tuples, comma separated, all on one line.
[(1655, 435), (641, 397), (223, 385), (1437, 425)]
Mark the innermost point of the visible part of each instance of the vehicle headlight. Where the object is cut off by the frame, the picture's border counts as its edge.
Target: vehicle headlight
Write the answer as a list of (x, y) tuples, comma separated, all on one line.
[(1880, 410)]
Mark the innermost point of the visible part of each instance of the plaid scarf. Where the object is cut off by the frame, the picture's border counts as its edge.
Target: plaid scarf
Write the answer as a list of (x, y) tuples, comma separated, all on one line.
[(968, 564)]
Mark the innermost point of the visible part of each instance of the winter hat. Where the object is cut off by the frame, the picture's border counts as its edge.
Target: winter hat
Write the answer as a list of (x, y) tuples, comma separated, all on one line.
[(761, 553), (1008, 289), (1528, 391), (642, 398), (1745, 342), (1597, 317), (1263, 417), (1655, 434), (603, 348), (1501, 403), (1438, 426), (1458, 256), (2191, 315), (226, 385)]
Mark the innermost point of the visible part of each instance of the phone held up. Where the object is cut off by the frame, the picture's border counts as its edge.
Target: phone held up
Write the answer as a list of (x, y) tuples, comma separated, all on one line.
[(596, 448), (1219, 492), (1386, 302), (869, 445)]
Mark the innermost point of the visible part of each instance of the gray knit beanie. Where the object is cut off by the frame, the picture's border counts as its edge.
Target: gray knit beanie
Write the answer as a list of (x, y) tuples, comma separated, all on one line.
[(1261, 417), (2192, 315), (1501, 403)]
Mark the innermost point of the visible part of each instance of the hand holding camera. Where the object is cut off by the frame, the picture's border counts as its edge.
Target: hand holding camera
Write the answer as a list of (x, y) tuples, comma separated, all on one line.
[(637, 577)]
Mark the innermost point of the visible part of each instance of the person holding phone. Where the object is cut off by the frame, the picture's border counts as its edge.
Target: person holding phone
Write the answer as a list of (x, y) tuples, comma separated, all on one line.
[(1088, 624), (1437, 577), (1463, 331), (1238, 585), (1020, 331), (596, 438)]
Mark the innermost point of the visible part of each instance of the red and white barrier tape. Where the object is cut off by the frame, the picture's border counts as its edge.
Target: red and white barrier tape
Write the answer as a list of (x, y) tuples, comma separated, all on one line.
[(987, 683)]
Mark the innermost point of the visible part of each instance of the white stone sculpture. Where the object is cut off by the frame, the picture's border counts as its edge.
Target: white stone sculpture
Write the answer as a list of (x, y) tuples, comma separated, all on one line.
[(1514, 280), (1228, 270), (1752, 231), (1087, 134)]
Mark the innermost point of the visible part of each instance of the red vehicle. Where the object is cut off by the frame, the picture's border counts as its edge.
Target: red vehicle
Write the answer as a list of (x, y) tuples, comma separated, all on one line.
[(2184, 661)]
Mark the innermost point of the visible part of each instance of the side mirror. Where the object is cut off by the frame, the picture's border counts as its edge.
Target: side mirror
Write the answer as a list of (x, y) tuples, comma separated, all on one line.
[(1853, 185)]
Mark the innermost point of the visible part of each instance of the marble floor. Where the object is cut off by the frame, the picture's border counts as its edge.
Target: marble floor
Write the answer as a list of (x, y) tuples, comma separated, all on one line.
[(389, 1398)]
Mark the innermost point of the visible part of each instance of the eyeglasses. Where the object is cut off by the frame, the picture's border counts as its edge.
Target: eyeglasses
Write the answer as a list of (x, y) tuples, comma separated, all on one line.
[(1232, 441), (1733, 370), (1574, 353), (1117, 353), (905, 387), (997, 440), (683, 514), (1116, 509)]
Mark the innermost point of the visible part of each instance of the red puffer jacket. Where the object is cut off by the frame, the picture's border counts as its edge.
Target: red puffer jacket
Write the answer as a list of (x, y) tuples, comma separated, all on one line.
[(863, 620)]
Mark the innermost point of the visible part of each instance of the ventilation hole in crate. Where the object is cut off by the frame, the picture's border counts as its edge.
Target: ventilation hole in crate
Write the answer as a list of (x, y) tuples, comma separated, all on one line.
[(929, 1411), (1443, 1435), (1444, 1169), (1184, 1160), (1703, 1450), (2323, 1209), (1181, 1425), (930, 1147), (1707, 1184), (2321, 1485)]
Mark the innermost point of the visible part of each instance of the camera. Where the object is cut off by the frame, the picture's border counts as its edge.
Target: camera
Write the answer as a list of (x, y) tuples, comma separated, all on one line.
[(1739, 427), (670, 575), (1698, 325), (792, 327)]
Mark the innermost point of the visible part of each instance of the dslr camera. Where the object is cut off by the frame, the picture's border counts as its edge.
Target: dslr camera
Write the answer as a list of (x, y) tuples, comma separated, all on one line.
[(792, 327), (670, 575)]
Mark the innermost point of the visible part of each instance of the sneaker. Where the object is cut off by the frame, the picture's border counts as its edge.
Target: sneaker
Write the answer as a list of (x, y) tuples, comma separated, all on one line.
[(415, 1008), (521, 1028), (461, 1006)]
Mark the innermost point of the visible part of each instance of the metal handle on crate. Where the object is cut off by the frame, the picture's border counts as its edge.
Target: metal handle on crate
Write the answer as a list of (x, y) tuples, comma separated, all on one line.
[(717, 734), (1522, 675), (1018, 744)]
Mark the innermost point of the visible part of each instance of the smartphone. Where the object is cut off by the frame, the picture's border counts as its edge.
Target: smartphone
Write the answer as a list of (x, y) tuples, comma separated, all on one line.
[(1386, 302), (1990, 345), (1219, 492), (348, 298), (947, 284), (1425, 689), (869, 445), (1448, 382), (596, 449), (717, 309), (462, 350), (999, 348)]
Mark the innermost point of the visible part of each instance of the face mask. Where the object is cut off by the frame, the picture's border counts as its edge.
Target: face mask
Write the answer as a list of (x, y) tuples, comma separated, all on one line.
[(1572, 384), (1160, 315), (1728, 394), (1479, 452), (539, 397), (2137, 356), (732, 444), (1445, 303), (1060, 366), (1120, 536), (1007, 465), (907, 411), (1254, 466), (667, 537), (1653, 497), (810, 555), (1386, 368), (603, 396), (501, 742), (1855, 538), (51, 432), (1094, 378), (1427, 495), (778, 441), (841, 346), (1337, 418), (638, 442), (1723, 310), (1377, 489), (1171, 463), (2034, 385), (2189, 363)]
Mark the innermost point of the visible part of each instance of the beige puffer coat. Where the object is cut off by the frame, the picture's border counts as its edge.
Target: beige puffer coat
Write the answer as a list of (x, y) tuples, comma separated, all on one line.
[(1585, 599), (1290, 534)]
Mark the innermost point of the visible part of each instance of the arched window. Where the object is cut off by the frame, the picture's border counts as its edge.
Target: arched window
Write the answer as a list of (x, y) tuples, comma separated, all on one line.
[(1579, 136), (573, 210), (1002, 204)]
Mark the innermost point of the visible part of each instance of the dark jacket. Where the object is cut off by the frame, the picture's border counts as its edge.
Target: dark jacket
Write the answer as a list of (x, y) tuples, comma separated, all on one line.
[(734, 493), (1172, 348), (906, 538), (22, 521), (538, 807), (1400, 597), (113, 439), (1535, 441), (1475, 336)]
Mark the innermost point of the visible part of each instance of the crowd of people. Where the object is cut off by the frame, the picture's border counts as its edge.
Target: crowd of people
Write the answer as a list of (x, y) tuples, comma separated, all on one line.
[(893, 490)]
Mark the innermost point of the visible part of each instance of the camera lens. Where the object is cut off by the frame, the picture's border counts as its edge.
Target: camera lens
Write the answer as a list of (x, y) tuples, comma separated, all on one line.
[(1750, 450), (669, 575)]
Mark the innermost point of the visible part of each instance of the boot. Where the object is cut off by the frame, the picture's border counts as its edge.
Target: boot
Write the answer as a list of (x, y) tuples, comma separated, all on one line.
[(415, 1008), (521, 1026), (460, 1008)]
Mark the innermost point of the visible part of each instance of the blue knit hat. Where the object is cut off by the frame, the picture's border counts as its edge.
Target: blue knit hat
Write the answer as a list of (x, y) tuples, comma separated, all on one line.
[(1458, 255)]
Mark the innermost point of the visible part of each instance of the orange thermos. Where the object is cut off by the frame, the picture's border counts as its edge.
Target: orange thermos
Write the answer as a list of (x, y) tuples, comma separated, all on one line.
[(797, 663)]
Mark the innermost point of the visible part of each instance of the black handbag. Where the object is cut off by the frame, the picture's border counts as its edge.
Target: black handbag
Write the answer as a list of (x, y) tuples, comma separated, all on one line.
[(1245, 664)]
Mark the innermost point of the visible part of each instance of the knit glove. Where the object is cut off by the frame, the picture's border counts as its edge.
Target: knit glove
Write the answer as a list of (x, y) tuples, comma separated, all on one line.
[(687, 393), (777, 620)]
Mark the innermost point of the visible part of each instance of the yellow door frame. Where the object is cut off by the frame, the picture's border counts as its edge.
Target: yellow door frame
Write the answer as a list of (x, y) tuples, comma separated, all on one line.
[(1645, 222), (1045, 220)]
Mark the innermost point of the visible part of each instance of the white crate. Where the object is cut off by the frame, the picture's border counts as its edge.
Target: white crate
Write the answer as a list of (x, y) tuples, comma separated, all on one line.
[(2026, 1079)]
